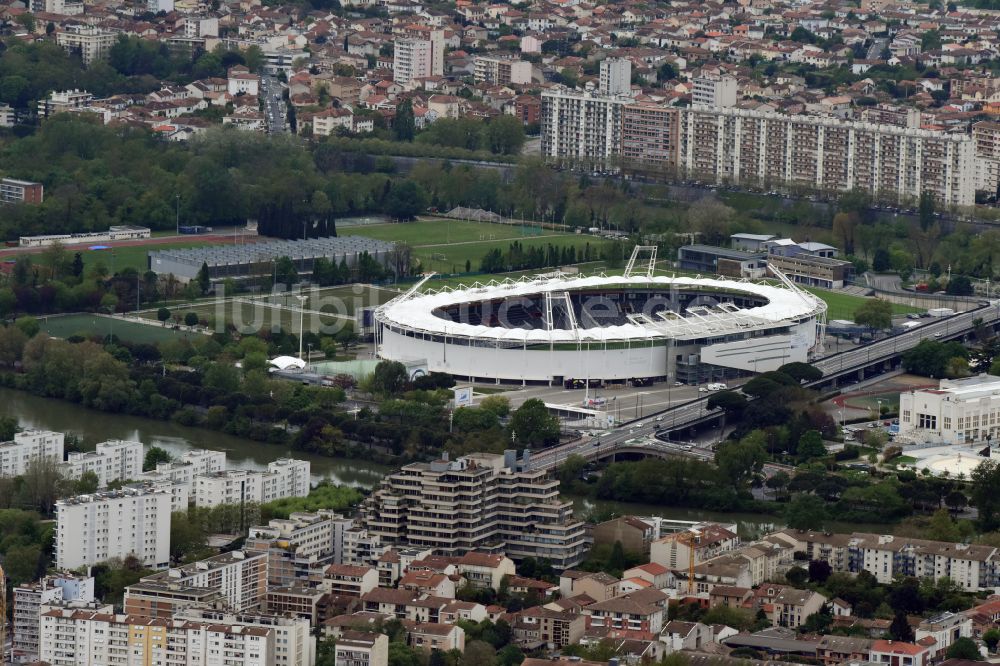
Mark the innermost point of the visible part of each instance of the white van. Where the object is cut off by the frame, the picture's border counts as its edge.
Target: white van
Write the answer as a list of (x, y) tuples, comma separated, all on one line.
[(716, 387)]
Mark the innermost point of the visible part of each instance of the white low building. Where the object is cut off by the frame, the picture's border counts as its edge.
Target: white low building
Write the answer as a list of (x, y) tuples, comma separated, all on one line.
[(184, 468), (958, 411), (16, 455), (285, 477), (114, 460)]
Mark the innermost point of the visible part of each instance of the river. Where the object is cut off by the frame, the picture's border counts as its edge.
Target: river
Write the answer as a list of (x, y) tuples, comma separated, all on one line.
[(93, 426)]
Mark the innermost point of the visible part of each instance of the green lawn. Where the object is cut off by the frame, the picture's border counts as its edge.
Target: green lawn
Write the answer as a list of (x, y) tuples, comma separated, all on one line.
[(118, 258), (94, 324), (842, 306), (452, 258), (438, 231)]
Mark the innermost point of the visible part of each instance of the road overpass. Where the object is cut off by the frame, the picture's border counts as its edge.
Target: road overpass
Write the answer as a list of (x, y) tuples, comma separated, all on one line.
[(839, 369)]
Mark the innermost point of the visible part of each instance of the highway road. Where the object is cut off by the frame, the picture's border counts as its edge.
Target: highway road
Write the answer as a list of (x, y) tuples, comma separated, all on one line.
[(695, 411)]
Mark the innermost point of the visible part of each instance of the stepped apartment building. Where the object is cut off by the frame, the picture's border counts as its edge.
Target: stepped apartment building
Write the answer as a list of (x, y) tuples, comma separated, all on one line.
[(485, 502)]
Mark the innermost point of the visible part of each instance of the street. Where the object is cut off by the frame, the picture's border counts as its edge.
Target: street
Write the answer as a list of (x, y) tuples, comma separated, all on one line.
[(272, 92)]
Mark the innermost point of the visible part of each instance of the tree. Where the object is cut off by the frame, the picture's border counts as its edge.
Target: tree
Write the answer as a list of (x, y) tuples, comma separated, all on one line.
[(28, 325), (959, 285), (731, 402), (498, 404), (875, 314), (963, 648), (819, 571), (285, 272), (505, 135), (811, 445), (203, 279), (87, 483), (532, 425), (390, 378), (991, 637), (479, 653), (711, 218), (983, 495), (797, 576), (405, 200), (801, 372), (740, 461), (12, 341), (900, 629), (163, 314), (882, 260), (403, 125), (154, 456), (806, 512), (191, 319)]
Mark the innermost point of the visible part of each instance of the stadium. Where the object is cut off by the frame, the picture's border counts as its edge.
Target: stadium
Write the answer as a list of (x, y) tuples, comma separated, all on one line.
[(635, 328)]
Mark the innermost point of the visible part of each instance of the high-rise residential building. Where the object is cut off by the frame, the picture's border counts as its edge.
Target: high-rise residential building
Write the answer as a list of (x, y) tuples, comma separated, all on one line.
[(501, 71), (89, 42), (716, 90), (362, 649), (240, 578), (582, 126), (184, 468), (75, 638), (295, 645), (102, 526), (29, 445), (616, 76), (21, 191), (30, 598), (301, 546), (744, 147), (285, 477), (649, 136), (482, 501), (412, 59), (114, 460)]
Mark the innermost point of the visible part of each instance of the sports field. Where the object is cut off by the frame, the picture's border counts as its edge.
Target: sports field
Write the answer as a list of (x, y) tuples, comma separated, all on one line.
[(435, 231), (843, 306), (94, 324), (335, 303)]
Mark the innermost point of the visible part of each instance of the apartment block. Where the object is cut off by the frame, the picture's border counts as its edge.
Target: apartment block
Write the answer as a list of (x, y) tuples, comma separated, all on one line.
[(284, 478), (64, 100), (294, 643), (30, 598), (298, 600), (745, 147), (240, 578), (21, 191), (484, 502), (301, 546), (615, 76), (102, 526), (714, 91), (8, 117), (986, 136), (186, 467), (885, 556), (412, 59), (356, 648), (114, 460), (582, 126), (502, 71), (649, 136), (90, 43), (348, 580), (16, 455), (76, 638)]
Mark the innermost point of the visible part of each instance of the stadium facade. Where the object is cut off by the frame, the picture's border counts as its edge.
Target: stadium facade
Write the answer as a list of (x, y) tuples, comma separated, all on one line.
[(562, 329)]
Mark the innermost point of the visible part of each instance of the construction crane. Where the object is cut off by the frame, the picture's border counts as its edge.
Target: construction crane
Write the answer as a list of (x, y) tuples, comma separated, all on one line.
[(690, 539)]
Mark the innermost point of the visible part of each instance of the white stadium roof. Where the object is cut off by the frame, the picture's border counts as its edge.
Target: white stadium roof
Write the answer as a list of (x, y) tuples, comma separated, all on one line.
[(415, 311)]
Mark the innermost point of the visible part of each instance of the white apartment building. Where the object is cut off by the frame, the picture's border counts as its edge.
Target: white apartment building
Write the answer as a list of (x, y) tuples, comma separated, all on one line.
[(361, 547), (240, 578), (184, 468), (501, 71), (29, 600), (28, 446), (972, 567), (958, 411), (114, 460), (63, 100), (77, 638), (482, 501), (744, 147), (293, 639), (582, 125), (103, 526), (615, 76), (8, 117), (285, 477), (88, 42), (412, 59), (712, 91), (319, 534)]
